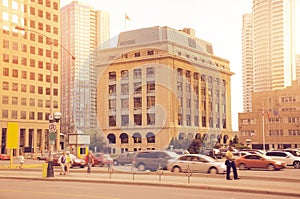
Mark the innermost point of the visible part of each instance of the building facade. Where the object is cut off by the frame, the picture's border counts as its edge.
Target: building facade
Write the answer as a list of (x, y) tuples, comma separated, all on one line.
[(158, 84), (30, 71), (298, 67), (83, 31), (273, 47), (275, 119)]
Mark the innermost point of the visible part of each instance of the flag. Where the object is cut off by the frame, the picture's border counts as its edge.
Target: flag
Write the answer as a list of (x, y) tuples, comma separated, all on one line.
[(127, 18)]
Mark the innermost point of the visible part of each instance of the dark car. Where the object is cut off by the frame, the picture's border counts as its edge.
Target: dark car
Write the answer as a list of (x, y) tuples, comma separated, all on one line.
[(295, 152), (124, 158), (43, 156), (153, 160), (214, 153), (77, 162)]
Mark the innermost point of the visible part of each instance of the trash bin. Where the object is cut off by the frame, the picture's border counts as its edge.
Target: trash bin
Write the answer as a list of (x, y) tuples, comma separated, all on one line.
[(44, 170)]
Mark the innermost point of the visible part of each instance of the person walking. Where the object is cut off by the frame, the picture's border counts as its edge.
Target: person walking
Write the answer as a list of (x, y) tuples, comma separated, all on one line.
[(21, 160), (230, 164), (69, 162), (89, 159), (62, 163)]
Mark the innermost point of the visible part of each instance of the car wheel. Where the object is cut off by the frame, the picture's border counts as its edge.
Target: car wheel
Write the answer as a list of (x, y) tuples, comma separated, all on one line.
[(271, 167), (176, 169), (242, 166), (296, 165), (141, 167), (116, 163), (213, 170)]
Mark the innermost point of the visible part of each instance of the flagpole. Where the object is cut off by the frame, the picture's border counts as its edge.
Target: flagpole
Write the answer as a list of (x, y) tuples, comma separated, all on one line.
[(263, 132)]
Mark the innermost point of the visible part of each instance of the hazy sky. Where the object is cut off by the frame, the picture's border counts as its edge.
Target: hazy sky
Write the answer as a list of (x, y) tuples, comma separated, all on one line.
[(216, 21)]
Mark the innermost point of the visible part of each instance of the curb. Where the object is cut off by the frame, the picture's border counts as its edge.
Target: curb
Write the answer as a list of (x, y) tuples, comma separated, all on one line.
[(137, 183)]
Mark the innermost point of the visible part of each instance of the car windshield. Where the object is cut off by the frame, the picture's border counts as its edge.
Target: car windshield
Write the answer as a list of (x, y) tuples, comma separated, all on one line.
[(209, 159), (172, 154), (107, 157)]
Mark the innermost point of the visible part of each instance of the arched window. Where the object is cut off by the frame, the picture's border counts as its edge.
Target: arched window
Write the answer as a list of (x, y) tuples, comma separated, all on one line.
[(150, 137), (111, 138), (124, 138), (137, 138)]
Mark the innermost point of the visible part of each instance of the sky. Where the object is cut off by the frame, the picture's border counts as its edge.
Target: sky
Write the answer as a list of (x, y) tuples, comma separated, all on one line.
[(216, 21)]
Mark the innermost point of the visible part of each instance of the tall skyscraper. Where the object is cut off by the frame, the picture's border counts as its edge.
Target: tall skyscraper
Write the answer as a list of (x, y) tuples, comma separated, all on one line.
[(298, 67), (273, 46), (247, 61), (83, 30), (30, 72)]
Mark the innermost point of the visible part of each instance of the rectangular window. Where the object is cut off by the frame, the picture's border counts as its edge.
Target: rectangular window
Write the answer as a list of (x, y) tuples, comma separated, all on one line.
[(150, 119), (5, 71), (32, 63), (23, 115), (14, 100), (137, 119), (137, 102), (40, 103), (32, 89), (23, 88), (112, 120), (15, 59), (32, 76), (24, 61), (124, 103), (124, 120), (4, 113), (40, 90), (31, 102), (40, 116), (31, 115), (124, 74), (15, 73), (150, 101), (5, 85), (15, 86), (5, 99), (24, 48), (14, 114), (112, 104), (15, 46), (6, 58), (40, 77), (23, 101), (124, 89)]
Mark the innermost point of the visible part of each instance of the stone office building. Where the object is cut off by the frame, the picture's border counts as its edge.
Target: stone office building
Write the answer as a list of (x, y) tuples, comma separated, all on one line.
[(160, 83)]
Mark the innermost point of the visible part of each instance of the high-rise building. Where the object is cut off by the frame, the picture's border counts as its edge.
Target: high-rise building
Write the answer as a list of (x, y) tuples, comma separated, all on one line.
[(247, 62), (158, 84), (298, 67), (273, 46), (30, 71), (83, 30)]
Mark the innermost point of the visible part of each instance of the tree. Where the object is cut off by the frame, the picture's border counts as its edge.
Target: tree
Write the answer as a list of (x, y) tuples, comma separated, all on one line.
[(196, 144)]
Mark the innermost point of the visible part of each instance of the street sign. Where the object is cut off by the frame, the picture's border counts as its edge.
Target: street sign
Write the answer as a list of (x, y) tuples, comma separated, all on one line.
[(52, 136), (52, 127)]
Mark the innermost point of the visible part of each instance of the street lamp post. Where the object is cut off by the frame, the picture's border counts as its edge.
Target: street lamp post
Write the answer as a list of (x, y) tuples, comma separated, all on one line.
[(53, 117)]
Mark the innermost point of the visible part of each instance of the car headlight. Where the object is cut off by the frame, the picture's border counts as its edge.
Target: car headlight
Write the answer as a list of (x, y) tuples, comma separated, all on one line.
[(278, 162)]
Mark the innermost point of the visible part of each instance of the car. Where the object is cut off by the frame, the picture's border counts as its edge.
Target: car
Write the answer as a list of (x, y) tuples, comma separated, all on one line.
[(286, 157), (44, 156), (196, 163), (124, 158), (153, 159), (77, 162), (240, 153), (102, 159), (180, 151), (4, 157), (214, 153), (295, 152), (258, 161)]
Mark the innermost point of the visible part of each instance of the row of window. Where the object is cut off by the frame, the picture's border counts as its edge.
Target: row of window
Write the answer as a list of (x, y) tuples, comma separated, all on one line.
[(15, 4), (137, 119), (137, 138), (32, 88), (32, 75), (24, 115), (33, 50), (31, 102)]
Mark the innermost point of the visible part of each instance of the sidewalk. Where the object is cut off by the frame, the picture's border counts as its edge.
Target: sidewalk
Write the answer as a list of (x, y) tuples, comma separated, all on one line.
[(217, 182)]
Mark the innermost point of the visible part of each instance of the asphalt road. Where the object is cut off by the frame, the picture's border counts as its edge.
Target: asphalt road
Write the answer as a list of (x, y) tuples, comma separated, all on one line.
[(15, 189)]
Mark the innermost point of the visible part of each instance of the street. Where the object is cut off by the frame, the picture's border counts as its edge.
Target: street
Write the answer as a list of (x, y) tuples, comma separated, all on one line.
[(15, 189)]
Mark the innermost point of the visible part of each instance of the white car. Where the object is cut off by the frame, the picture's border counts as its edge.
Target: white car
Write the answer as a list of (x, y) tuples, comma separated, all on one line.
[(196, 163), (286, 157)]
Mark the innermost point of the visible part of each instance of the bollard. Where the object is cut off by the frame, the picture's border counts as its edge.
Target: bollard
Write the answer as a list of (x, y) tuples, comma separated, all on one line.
[(133, 171), (44, 170), (188, 173), (110, 171), (160, 172)]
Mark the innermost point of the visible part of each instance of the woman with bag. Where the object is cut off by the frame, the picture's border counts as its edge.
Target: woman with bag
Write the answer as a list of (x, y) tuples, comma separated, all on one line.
[(89, 159)]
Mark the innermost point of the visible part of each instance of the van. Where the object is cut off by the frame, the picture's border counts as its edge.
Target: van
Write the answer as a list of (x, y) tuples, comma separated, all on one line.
[(153, 160), (286, 157)]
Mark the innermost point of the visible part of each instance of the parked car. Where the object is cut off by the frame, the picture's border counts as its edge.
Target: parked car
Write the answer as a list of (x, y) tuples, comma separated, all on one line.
[(240, 153), (197, 163), (102, 159), (153, 159), (43, 156), (77, 162), (124, 158), (258, 161), (4, 157), (180, 151), (214, 153), (295, 152), (286, 157)]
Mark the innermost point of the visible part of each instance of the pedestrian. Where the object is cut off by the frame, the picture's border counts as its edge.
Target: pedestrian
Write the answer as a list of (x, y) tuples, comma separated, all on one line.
[(69, 162), (21, 160), (62, 163), (230, 164), (89, 159)]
